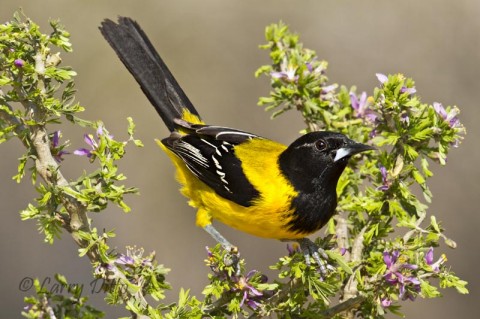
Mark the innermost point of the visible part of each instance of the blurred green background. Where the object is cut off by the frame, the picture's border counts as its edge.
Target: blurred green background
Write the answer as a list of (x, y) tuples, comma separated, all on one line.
[(212, 48)]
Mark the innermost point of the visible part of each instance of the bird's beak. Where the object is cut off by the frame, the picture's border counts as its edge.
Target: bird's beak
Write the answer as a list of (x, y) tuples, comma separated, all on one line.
[(352, 149)]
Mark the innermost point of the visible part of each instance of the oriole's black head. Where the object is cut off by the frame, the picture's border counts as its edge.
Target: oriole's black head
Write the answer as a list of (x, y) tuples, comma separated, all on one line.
[(318, 159), (313, 164)]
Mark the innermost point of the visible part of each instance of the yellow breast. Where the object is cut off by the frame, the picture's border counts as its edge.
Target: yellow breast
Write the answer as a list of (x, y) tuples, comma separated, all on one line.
[(270, 213)]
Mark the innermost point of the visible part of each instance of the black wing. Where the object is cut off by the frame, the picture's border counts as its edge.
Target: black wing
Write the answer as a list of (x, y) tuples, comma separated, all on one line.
[(209, 153)]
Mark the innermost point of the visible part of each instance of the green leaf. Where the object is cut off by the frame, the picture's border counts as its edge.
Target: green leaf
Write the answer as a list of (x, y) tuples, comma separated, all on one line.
[(44, 200), (30, 212), (339, 260), (418, 177), (5, 80), (425, 169), (264, 69), (410, 152), (61, 279), (433, 223), (450, 280), (428, 290), (22, 161)]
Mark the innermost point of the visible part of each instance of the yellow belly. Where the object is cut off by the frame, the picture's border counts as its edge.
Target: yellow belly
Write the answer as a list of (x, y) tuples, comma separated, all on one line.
[(268, 216)]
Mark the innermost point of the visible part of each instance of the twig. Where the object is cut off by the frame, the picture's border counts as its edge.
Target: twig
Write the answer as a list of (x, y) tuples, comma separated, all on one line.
[(410, 233), (347, 305), (48, 308)]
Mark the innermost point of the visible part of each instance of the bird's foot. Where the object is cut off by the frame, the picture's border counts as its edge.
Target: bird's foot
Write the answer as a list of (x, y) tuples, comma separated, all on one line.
[(232, 256), (232, 259), (311, 250)]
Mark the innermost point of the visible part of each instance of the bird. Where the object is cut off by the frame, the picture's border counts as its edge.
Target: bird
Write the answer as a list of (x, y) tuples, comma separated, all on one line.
[(248, 182)]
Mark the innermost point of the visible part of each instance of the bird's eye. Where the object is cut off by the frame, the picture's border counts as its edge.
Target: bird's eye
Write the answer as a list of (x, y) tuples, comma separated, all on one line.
[(320, 145)]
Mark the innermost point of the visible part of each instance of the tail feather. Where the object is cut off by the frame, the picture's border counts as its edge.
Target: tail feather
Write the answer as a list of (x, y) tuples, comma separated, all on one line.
[(142, 60)]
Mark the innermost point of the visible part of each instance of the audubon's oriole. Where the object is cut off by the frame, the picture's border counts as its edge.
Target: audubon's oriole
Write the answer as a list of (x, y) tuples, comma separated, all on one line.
[(248, 182)]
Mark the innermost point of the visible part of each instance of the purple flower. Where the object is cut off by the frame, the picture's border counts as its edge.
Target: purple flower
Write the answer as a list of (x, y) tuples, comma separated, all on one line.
[(86, 152), (385, 183), (409, 91), (450, 117), (293, 249), (318, 70), (390, 259), (309, 66), (434, 265), (286, 73), (19, 63), (134, 257), (385, 302), (56, 138), (395, 277), (125, 260), (240, 285), (209, 252), (107, 271), (90, 140), (250, 293), (429, 256), (360, 107), (381, 77), (213, 262), (328, 88), (411, 286), (147, 262), (405, 118), (57, 151)]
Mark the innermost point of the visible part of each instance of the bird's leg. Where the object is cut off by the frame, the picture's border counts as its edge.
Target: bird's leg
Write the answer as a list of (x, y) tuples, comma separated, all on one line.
[(232, 258), (220, 239)]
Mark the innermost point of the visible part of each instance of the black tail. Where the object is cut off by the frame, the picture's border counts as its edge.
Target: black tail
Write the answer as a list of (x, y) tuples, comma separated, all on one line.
[(142, 60)]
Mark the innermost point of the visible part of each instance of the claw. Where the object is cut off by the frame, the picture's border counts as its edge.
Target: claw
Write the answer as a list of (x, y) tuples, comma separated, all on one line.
[(310, 249), (234, 251), (232, 259)]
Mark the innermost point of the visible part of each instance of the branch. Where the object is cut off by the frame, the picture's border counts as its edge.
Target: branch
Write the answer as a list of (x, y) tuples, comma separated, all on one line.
[(347, 305), (342, 234), (77, 221), (357, 248), (350, 291), (48, 308), (47, 167)]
